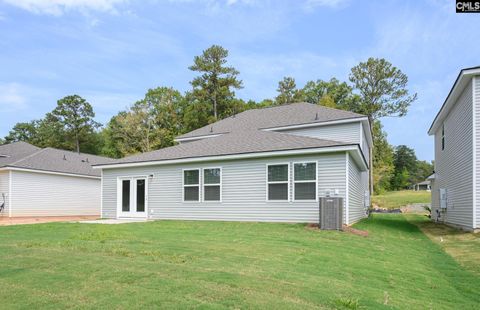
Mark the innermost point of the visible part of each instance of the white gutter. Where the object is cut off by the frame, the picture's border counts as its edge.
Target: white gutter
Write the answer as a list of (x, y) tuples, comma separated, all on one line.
[(48, 172), (197, 138), (327, 123), (354, 148)]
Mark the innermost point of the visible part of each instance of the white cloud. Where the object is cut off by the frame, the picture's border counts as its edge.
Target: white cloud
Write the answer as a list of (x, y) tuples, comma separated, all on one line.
[(12, 97), (59, 7)]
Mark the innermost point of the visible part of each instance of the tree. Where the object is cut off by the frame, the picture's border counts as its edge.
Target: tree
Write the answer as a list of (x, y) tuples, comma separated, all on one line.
[(288, 92), (382, 160), (26, 132), (214, 86), (405, 163), (422, 171), (149, 124), (332, 93), (76, 115), (383, 91)]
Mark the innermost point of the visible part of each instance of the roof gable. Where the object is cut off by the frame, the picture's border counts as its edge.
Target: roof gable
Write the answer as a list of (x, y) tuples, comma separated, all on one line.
[(271, 117), (26, 156), (459, 85)]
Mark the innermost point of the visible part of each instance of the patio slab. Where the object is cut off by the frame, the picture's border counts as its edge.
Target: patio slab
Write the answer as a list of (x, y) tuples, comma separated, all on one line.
[(7, 221), (113, 221)]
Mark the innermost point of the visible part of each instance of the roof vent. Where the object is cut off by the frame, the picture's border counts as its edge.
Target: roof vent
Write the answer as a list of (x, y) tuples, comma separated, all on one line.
[(85, 160), (211, 129), (64, 157), (316, 116)]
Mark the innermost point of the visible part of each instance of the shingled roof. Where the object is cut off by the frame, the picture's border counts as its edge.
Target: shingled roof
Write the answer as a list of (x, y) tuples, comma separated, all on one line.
[(26, 156), (278, 116), (249, 141)]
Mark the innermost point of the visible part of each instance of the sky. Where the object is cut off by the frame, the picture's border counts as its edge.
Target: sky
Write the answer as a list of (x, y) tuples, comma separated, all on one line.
[(112, 51)]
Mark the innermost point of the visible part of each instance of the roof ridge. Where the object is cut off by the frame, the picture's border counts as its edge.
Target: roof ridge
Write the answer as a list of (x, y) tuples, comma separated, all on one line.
[(74, 152), (27, 157)]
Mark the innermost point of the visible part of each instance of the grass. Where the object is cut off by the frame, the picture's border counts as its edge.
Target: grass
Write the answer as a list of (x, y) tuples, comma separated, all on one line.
[(181, 264), (397, 199), (461, 245)]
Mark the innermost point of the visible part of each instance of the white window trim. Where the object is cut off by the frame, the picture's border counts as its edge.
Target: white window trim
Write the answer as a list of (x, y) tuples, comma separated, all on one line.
[(278, 182), (305, 181), (212, 184), (199, 185)]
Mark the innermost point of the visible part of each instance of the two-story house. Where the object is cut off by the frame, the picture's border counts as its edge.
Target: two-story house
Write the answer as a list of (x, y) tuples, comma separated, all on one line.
[(268, 164), (456, 129)]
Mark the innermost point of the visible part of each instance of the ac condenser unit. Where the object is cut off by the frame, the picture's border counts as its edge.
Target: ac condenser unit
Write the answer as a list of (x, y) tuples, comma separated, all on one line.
[(331, 213)]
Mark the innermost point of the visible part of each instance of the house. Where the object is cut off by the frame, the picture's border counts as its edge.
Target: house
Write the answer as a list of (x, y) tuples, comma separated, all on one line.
[(268, 164), (456, 130), (422, 186), (48, 182)]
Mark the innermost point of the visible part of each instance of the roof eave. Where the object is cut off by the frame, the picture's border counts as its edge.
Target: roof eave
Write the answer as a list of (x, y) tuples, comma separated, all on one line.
[(78, 175), (458, 86), (324, 149)]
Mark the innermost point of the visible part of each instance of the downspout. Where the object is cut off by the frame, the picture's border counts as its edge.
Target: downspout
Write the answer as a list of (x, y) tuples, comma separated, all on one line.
[(347, 163), (10, 175), (474, 155)]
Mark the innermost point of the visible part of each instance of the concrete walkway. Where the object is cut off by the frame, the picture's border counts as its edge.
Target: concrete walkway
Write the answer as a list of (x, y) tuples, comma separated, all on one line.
[(113, 221), (7, 221)]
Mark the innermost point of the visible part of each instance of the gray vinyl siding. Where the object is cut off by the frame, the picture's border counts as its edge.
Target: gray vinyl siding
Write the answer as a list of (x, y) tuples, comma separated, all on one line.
[(476, 94), (357, 185), (4, 184), (453, 166), (40, 194), (364, 146), (243, 190), (348, 132)]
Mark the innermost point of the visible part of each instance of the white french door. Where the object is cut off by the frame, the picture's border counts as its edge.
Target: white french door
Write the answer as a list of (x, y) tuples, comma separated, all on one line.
[(132, 197)]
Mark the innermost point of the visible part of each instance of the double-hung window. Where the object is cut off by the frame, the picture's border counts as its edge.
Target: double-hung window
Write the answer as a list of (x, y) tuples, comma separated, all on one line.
[(305, 181), (212, 184), (443, 137), (278, 181), (191, 185)]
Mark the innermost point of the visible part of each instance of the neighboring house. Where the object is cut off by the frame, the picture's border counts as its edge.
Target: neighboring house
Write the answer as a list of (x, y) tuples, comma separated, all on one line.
[(456, 128), (422, 186), (267, 164), (48, 182)]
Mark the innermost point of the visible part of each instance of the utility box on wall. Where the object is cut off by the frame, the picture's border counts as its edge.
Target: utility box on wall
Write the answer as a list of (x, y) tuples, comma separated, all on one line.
[(331, 213)]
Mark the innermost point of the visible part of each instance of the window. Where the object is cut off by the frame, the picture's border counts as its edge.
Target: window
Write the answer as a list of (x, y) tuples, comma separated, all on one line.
[(140, 195), (305, 181), (278, 182), (212, 184), (443, 137), (126, 195), (191, 185)]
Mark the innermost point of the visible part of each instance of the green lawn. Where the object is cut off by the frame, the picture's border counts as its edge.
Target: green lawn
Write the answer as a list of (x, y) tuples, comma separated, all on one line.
[(176, 264), (397, 199)]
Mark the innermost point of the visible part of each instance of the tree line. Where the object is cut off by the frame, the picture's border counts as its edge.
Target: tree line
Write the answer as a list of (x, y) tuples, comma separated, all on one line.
[(376, 88)]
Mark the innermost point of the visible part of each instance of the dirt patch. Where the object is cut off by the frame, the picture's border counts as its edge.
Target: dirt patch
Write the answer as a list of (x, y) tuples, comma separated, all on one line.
[(345, 228), (355, 231)]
